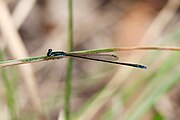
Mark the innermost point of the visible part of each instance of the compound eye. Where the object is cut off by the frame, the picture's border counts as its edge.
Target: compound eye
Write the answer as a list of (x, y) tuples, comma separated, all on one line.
[(49, 53)]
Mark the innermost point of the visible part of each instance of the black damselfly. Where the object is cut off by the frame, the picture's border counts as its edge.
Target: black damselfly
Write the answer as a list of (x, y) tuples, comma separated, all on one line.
[(108, 58)]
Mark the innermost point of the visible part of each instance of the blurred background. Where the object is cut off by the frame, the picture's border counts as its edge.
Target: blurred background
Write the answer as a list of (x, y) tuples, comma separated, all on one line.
[(100, 91)]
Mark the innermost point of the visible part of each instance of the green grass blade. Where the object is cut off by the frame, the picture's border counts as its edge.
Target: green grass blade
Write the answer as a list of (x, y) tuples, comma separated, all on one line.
[(9, 92), (104, 50), (70, 63), (165, 78)]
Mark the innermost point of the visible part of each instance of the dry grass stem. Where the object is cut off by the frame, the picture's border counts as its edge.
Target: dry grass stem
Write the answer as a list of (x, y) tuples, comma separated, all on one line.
[(14, 41)]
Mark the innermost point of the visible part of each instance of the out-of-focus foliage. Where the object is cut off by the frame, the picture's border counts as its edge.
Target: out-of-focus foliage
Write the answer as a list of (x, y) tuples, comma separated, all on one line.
[(99, 91)]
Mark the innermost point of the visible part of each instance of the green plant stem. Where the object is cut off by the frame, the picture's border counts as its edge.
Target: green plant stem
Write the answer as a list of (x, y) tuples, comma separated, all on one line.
[(70, 63), (103, 50), (93, 51), (9, 93), (166, 76), (68, 90)]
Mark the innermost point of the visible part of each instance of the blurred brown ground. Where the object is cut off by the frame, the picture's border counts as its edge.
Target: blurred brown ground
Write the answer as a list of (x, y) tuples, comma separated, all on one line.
[(97, 24)]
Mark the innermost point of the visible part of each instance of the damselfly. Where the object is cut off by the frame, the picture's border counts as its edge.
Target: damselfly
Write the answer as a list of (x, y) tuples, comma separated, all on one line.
[(108, 58)]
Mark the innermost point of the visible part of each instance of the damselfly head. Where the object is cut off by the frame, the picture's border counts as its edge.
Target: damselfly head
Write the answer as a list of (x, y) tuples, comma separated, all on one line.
[(49, 52)]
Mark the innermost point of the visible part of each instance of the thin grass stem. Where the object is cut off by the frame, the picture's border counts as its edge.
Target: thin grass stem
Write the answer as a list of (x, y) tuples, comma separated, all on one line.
[(9, 93), (93, 51), (70, 63)]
